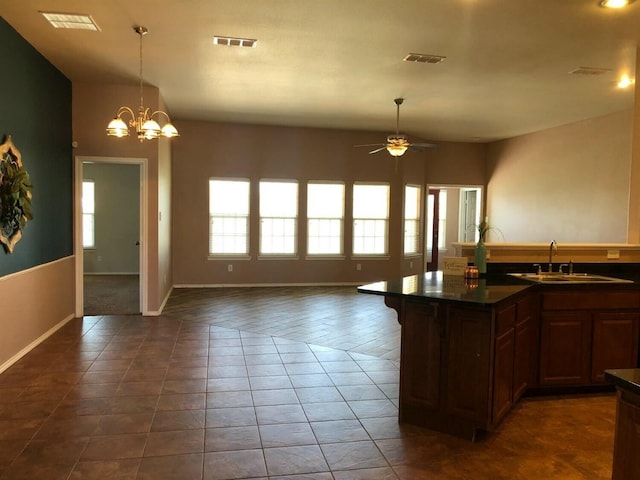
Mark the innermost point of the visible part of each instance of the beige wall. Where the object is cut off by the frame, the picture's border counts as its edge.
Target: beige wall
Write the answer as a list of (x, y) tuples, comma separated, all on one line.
[(25, 321), (569, 183), (93, 106), (633, 235), (207, 150)]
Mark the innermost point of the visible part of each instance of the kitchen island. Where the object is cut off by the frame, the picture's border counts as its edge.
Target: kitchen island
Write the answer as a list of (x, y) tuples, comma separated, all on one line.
[(472, 347), (626, 449)]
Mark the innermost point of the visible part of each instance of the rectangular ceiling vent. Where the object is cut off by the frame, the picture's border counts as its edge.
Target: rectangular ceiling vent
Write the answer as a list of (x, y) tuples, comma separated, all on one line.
[(235, 41), (74, 21), (423, 58), (589, 71)]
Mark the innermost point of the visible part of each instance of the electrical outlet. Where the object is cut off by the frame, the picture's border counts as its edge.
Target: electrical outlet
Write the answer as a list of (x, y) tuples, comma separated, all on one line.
[(229, 268), (358, 267), (99, 258), (410, 264)]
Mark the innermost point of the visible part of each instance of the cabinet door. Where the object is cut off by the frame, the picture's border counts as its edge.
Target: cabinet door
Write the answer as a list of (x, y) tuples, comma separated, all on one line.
[(615, 342), (422, 333), (503, 375), (565, 344), (503, 362), (527, 352), (468, 359)]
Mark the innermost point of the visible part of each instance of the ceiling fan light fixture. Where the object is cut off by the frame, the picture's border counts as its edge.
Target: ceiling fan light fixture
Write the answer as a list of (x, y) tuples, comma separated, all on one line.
[(615, 3), (396, 150)]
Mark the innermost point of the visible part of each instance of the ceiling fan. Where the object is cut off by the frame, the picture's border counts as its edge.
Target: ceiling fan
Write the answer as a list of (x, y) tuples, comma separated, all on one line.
[(397, 143)]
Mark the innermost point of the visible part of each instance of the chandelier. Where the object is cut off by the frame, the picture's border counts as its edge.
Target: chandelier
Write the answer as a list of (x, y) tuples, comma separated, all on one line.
[(144, 123)]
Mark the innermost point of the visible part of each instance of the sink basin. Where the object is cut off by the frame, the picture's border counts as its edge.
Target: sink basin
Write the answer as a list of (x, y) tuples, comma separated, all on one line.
[(564, 278)]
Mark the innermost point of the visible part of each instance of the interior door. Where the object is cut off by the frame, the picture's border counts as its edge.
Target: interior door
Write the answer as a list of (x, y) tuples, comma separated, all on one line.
[(433, 234), (111, 265)]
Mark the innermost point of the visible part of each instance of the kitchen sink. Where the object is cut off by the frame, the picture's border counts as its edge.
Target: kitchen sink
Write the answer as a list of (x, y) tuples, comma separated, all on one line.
[(564, 278)]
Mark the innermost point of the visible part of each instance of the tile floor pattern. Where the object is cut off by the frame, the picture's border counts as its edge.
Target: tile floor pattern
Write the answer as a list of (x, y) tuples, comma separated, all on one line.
[(163, 398)]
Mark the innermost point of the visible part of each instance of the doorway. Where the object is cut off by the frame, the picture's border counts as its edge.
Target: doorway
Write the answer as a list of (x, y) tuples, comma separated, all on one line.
[(452, 213), (110, 233)]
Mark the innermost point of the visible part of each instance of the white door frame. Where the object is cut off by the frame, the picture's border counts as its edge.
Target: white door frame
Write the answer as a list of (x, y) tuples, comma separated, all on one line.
[(143, 227)]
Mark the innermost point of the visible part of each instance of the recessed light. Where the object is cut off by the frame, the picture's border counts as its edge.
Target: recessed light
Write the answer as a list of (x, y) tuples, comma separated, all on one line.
[(615, 3), (235, 41), (625, 82), (77, 21)]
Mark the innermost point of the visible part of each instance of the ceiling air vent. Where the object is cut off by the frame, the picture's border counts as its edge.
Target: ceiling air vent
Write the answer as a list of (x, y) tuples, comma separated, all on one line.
[(75, 21), (423, 58), (589, 71), (235, 41)]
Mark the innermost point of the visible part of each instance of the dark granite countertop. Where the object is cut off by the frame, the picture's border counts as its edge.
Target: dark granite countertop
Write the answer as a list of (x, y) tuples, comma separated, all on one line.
[(436, 286), (626, 379)]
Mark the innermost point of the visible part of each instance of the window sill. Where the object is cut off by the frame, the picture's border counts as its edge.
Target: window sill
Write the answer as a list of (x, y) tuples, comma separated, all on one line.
[(278, 257), (324, 257), (370, 257), (229, 257)]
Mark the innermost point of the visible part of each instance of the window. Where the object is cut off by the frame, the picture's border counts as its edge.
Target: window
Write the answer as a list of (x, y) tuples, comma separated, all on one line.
[(411, 219), (370, 219), (228, 217), (325, 217), (278, 217), (88, 214)]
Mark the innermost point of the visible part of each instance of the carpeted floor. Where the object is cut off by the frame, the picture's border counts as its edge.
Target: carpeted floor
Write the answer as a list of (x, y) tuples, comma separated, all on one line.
[(111, 294)]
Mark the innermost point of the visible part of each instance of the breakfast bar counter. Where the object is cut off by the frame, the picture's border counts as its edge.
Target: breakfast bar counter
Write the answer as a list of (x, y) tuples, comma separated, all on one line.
[(457, 348), (470, 348)]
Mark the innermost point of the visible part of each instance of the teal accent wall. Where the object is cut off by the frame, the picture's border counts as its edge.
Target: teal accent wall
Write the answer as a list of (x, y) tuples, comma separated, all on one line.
[(35, 109)]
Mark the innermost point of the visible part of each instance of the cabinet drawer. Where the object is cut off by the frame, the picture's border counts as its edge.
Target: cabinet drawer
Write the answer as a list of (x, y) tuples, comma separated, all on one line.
[(590, 300)]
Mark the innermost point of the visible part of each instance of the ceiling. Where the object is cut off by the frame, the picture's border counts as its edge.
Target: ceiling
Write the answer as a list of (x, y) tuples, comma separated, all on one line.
[(339, 63)]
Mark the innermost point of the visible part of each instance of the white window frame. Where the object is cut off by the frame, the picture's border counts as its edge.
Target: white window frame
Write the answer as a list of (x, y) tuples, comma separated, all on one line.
[(412, 216), (88, 215), (317, 225), (284, 222), (234, 221), (369, 227)]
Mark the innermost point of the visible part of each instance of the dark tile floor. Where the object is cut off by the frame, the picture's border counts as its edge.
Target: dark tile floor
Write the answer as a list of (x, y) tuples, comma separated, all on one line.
[(229, 385)]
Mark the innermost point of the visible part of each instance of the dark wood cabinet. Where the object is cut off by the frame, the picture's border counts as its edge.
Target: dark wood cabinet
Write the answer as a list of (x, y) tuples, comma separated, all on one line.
[(615, 342), (627, 437), (443, 381), (420, 375), (465, 363), (504, 361), (526, 352), (565, 348), (586, 331)]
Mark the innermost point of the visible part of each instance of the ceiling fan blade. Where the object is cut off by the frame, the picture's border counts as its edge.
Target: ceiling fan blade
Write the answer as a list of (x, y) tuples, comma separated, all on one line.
[(378, 149), (424, 145), (372, 145)]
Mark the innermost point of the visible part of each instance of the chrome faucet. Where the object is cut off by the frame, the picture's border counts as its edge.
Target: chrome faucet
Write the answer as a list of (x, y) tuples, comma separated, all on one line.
[(553, 250)]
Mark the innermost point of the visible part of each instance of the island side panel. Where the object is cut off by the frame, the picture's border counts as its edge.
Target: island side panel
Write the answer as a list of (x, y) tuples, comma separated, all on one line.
[(444, 367)]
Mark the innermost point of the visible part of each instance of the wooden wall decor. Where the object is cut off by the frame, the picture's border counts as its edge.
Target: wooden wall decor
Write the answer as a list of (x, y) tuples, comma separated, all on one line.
[(15, 195)]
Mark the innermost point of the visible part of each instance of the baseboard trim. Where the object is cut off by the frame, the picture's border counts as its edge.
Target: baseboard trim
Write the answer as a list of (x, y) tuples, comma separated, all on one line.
[(35, 343), (158, 312), (248, 285)]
